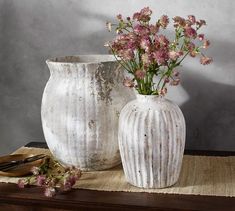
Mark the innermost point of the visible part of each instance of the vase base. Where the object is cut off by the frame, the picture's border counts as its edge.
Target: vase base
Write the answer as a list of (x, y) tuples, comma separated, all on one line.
[(95, 167), (152, 186)]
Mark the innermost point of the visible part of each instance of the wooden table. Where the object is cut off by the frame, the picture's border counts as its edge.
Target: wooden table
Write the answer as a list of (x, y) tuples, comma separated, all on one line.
[(12, 198)]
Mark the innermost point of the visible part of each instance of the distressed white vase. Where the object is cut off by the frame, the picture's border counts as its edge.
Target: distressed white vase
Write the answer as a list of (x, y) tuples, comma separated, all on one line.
[(151, 141), (80, 109)]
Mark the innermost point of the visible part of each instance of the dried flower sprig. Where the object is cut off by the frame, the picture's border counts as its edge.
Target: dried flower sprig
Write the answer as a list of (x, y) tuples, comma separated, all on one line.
[(145, 52), (52, 176)]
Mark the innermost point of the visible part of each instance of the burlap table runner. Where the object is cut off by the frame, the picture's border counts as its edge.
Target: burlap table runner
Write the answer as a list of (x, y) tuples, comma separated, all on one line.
[(200, 175)]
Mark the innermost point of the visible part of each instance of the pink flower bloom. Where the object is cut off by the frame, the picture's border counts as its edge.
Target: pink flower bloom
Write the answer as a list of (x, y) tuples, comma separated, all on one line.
[(163, 91), (201, 37), (119, 17), (161, 56), (145, 44), (69, 182), (175, 55), (128, 82), (175, 82), (22, 183), (141, 30), (176, 73), (206, 44), (35, 170), (136, 16), (205, 60), (164, 21), (201, 23), (193, 53), (167, 80), (143, 15), (41, 180), (127, 54), (179, 21), (146, 11), (192, 19), (162, 40), (191, 46), (50, 192), (190, 32), (140, 74), (146, 58), (109, 26), (153, 29)]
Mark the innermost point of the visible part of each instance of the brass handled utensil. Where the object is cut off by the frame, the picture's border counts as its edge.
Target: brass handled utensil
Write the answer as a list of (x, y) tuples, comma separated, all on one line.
[(6, 166)]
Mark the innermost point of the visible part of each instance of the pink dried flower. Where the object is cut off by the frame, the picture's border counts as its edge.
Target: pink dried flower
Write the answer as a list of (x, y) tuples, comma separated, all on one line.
[(164, 21), (206, 44), (141, 30), (146, 58), (193, 53), (35, 170), (175, 54), (190, 32), (49, 191), (179, 21), (190, 46), (127, 54), (146, 11), (163, 91), (192, 19), (175, 82), (176, 73), (162, 40), (143, 15), (145, 44), (153, 29), (119, 17), (109, 26), (201, 23), (161, 56), (205, 60), (136, 16), (22, 183), (40, 180), (69, 182), (128, 82), (201, 37), (167, 80), (140, 74)]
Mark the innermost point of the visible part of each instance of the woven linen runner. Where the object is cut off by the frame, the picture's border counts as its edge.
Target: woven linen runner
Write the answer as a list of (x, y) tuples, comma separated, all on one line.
[(200, 175)]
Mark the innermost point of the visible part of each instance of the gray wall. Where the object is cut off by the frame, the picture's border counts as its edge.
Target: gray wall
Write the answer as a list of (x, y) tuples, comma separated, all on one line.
[(33, 30)]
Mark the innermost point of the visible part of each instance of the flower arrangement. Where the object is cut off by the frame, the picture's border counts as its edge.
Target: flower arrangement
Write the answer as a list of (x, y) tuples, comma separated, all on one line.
[(146, 53), (52, 177)]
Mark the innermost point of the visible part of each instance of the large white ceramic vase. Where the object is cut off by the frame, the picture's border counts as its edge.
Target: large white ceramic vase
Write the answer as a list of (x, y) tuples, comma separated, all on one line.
[(151, 141), (80, 108)]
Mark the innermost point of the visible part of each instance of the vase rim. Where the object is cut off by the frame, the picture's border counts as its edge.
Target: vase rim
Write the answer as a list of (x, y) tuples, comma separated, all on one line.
[(83, 59), (149, 97)]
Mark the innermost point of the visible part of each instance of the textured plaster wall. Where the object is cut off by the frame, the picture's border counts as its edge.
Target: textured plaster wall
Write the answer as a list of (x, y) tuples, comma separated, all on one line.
[(32, 30)]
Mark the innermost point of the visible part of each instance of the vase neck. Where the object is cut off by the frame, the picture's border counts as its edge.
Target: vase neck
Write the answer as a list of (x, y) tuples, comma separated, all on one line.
[(149, 98)]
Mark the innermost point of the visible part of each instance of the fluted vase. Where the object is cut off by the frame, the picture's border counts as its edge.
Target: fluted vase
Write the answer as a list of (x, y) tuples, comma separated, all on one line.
[(151, 141), (80, 109)]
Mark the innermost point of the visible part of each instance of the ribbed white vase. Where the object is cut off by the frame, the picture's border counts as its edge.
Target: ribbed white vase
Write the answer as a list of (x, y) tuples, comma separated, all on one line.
[(151, 141), (80, 108)]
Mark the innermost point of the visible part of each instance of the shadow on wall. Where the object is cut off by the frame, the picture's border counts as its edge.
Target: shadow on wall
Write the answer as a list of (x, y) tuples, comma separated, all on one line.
[(209, 114)]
